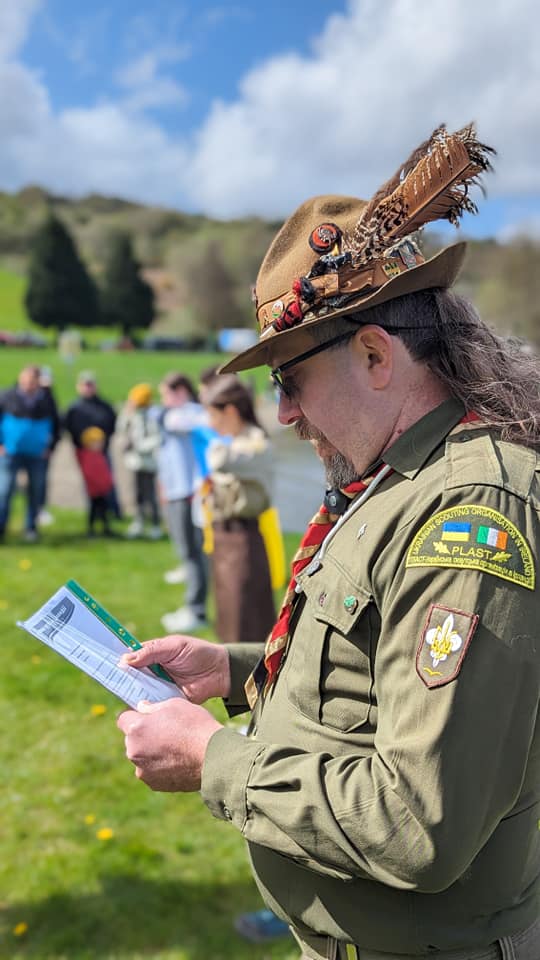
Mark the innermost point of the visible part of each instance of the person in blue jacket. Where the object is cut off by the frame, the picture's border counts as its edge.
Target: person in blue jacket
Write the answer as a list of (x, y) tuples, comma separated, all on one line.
[(182, 467), (29, 431)]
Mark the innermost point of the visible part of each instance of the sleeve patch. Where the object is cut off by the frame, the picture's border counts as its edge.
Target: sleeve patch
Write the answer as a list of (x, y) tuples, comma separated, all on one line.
[(476, 538), (444, 642)]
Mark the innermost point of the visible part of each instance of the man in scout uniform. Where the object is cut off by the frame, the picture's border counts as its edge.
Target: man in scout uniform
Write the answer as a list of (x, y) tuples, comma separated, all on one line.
[(389, 788)]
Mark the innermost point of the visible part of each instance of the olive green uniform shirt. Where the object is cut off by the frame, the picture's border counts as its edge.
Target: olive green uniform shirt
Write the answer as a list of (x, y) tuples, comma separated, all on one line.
[(389, 790)]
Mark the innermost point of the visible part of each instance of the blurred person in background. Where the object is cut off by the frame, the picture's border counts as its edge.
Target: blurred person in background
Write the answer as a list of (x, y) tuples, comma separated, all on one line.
[(45, 517), (140, 433), (181, 466), (97, 478), (91, 410), (206, 378), (29, 431), (241, 465)]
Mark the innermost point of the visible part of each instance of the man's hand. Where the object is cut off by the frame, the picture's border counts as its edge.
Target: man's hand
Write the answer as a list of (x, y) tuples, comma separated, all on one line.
[(199, 668), (167, 742)]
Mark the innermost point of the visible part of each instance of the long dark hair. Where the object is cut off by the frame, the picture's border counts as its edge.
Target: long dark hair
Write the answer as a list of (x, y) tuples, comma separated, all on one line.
[(494, 376), (229, 389)]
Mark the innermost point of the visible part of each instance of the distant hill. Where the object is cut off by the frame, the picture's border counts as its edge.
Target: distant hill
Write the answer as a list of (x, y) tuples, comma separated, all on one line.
[(166, 242), (503, 280)]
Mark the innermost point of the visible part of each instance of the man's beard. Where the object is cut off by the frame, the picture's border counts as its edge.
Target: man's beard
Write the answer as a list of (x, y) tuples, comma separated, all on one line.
[(339, 471)]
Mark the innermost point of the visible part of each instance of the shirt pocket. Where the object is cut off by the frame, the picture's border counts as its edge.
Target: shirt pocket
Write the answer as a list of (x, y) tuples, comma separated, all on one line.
[(330, 670)]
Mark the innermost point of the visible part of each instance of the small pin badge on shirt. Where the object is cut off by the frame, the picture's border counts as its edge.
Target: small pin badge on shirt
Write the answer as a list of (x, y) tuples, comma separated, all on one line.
[(350, 604), (361, 531)]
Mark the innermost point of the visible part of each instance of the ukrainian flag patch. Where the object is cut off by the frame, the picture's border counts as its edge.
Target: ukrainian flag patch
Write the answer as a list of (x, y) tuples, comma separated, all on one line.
[(456, 532), (477, 538)]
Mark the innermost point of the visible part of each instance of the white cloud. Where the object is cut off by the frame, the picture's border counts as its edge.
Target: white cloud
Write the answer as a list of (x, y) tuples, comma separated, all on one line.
[(340, 119), (378, 80), (14, 22), (147, 87)]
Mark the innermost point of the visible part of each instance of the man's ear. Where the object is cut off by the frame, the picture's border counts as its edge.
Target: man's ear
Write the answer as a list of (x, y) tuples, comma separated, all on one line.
[(374, 348)]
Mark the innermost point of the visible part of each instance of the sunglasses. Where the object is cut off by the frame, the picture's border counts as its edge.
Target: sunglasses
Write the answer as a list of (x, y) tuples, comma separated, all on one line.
[(277, 373)]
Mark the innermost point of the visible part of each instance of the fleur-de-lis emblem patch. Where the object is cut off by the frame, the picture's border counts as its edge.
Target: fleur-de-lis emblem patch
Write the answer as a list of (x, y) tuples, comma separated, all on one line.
[(443, 645), (443, 640)]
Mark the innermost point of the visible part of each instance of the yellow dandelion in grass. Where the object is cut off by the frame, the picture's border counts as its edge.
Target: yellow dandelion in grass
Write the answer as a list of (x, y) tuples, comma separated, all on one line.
[(4, 605), (25, 564), (90, 818), (105, 833), (20, 929), (36, 658), (98, 709)]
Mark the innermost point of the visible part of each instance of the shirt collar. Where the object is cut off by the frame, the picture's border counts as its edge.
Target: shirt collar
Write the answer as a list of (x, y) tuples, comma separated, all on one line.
[(412, 449)]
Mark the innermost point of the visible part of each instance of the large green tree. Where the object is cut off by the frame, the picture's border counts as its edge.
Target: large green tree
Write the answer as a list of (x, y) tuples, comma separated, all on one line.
[(127, 300), (60, 292)]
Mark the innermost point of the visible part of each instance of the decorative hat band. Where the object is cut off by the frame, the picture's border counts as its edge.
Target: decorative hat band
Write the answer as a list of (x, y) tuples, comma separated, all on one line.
[(333, 282)]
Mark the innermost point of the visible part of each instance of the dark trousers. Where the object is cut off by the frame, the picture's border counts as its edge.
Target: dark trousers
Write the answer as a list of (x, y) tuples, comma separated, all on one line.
[(112, 497), (188, 539), (98, 510), (36, 472), (524, 945), (145, 496)]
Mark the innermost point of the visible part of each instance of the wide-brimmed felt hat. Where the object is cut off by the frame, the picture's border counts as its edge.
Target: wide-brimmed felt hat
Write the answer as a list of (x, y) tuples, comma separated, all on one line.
[(341, 255)]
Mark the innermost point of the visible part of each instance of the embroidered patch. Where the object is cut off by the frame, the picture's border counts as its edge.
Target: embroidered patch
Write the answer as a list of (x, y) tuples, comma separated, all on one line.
[(391, 268), (443, 645), (477, 538)]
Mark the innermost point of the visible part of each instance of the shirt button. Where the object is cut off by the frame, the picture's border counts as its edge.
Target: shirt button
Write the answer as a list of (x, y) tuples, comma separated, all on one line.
[(226, 812)]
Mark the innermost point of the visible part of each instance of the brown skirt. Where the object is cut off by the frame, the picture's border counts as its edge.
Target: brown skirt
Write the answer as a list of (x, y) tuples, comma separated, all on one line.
[(245, 611)]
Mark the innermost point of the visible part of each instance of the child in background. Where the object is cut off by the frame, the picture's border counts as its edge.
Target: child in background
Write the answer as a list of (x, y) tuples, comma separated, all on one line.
[(97, 477), (139, 427)]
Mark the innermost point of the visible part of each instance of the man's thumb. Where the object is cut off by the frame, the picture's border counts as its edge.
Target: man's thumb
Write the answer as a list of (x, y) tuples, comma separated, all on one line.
[(151, 652)]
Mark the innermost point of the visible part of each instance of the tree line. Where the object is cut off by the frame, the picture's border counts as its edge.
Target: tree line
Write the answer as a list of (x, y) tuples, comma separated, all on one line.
[(200, 276), (62, 294)]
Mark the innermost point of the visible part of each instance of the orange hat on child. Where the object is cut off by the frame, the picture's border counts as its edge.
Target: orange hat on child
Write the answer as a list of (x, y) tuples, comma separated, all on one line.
[(140, 395)]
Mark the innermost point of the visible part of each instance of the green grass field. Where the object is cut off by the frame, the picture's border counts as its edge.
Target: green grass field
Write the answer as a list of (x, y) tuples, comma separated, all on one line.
[(164, 880), (12, 313), (116, 371)]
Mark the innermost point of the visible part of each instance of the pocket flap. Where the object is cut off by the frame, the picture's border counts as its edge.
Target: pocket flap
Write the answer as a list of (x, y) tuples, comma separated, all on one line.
[(336, 600)]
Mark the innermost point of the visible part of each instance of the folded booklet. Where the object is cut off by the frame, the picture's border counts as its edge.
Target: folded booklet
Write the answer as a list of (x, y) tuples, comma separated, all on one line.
[(82, 631)]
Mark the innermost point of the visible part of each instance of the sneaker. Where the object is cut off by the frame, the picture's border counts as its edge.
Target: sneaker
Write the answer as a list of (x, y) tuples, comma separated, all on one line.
[(155, 533), (135, 529), (30, 536), (260, 926), (44, 518), (183, 620), (178, 575)]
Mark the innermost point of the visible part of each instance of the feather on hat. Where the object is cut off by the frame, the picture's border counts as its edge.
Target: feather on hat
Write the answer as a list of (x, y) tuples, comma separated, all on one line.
[(337, 255)]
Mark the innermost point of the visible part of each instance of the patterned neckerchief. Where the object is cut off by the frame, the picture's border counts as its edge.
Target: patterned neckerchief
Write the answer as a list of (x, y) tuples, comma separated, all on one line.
[(318, 529)]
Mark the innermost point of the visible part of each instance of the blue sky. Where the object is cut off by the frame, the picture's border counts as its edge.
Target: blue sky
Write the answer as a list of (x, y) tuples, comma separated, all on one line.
[(250, 107), (204, 48)]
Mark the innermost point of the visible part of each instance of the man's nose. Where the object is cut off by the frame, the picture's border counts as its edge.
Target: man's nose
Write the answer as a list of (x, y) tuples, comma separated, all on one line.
[(288, 410)]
